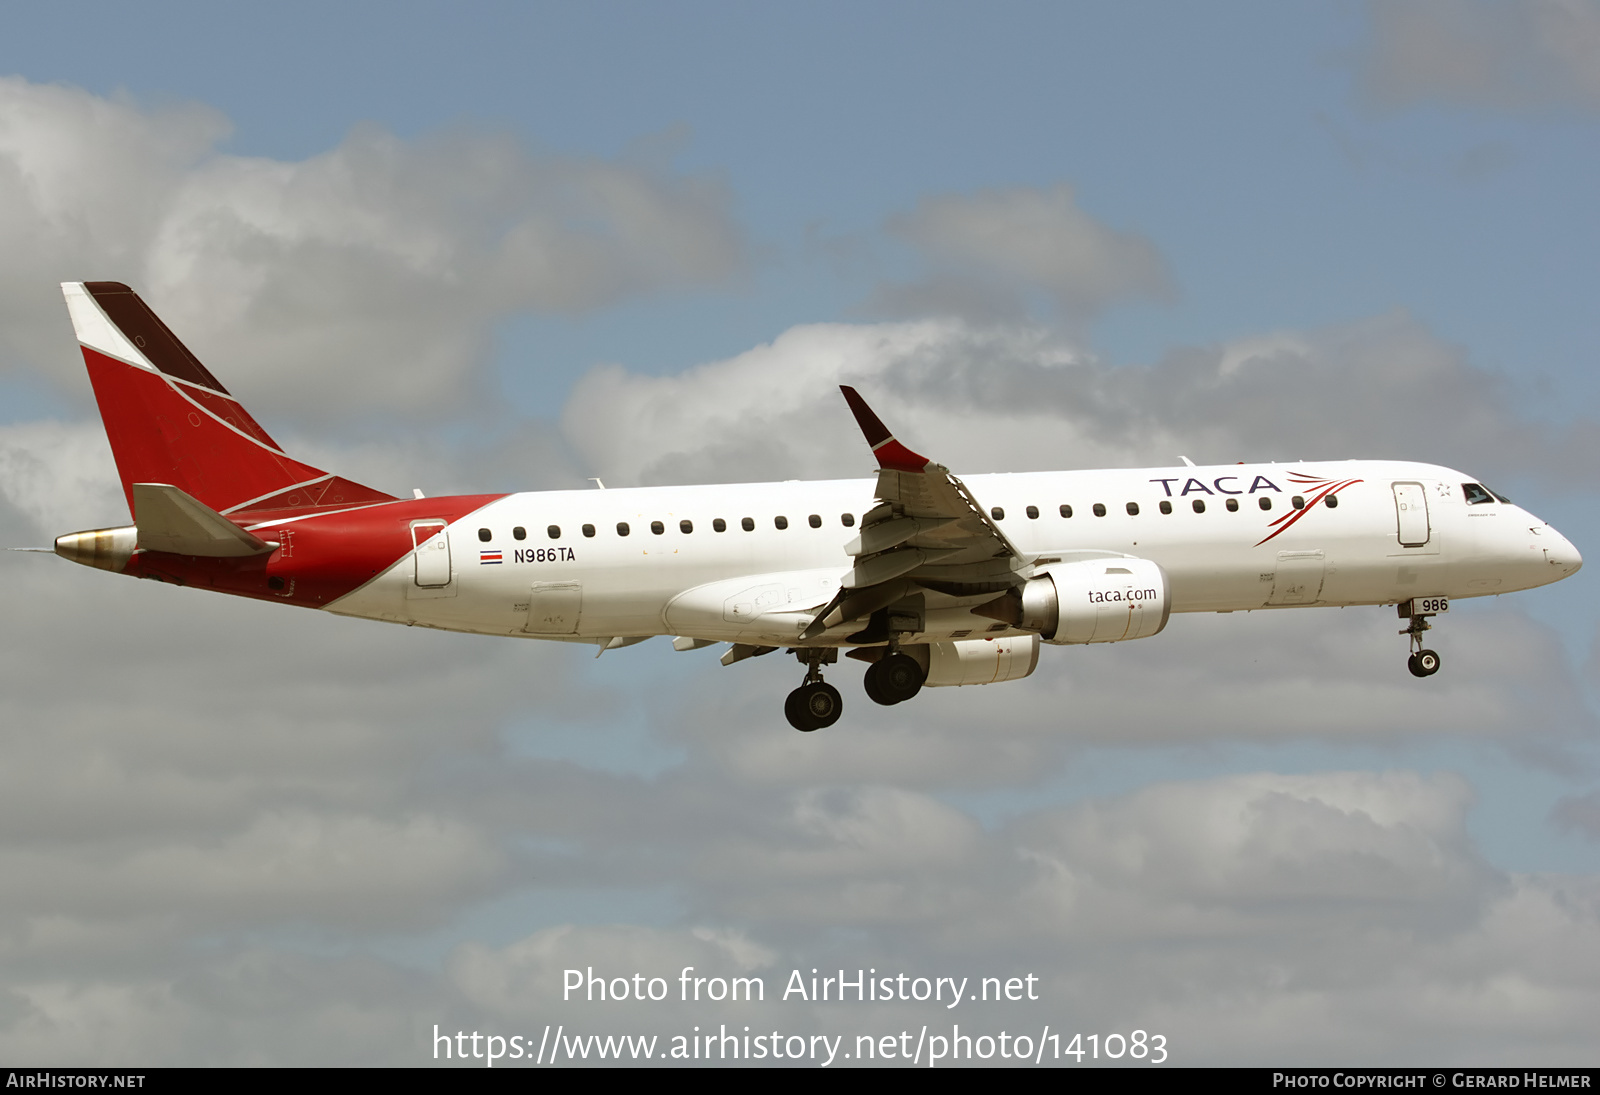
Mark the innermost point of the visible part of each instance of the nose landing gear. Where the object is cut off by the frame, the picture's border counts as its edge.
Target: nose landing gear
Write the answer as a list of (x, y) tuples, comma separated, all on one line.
[(816, 704), (1422, 663)]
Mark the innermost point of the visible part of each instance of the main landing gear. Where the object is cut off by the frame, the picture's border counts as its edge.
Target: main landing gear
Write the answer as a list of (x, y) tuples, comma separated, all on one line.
[(815, 704), (1422, 663), (893, 678)]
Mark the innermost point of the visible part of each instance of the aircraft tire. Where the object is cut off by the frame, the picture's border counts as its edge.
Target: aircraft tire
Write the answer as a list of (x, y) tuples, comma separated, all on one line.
[(1424, 663), (874, 686), (794, 710), (899, 677), (819, 706)]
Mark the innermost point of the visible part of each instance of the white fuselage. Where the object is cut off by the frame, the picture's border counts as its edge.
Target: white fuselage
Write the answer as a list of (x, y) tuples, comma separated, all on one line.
[(1396, 531)]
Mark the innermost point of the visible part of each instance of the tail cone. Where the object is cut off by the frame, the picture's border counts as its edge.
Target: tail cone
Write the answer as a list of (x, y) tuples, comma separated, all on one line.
[(104, 548)]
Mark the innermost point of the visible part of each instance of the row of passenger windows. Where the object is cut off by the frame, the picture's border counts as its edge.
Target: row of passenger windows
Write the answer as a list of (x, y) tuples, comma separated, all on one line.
[(848, 520), (1198, 505)]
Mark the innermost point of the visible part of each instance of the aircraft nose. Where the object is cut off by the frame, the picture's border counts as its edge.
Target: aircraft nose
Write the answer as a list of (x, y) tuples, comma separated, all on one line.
[(1559, 552)]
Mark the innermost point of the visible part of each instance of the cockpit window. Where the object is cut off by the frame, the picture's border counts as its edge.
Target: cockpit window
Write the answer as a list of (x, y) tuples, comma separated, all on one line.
[(1476, 494)]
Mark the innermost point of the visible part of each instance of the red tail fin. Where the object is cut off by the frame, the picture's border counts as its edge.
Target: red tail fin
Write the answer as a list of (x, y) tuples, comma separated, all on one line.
[(170, 421)]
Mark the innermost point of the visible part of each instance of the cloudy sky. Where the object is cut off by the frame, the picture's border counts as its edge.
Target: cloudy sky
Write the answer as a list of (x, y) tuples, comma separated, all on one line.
[(515, 246)]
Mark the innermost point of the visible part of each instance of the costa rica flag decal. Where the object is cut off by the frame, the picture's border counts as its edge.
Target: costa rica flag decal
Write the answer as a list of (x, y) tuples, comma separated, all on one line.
[(490, 557)]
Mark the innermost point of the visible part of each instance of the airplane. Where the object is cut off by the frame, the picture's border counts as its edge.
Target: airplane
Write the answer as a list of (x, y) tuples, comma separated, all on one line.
[(930, 579)]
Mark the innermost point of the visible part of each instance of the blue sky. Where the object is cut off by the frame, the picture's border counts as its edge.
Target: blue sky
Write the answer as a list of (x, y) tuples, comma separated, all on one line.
[(483, 236), (1238, 136)]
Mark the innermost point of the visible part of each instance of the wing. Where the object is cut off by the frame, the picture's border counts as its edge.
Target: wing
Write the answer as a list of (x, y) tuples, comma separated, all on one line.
[(927, 535)]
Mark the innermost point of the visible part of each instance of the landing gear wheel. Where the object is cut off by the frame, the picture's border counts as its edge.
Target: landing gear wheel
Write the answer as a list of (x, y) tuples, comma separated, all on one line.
[(874, 687), (1424, 663), (795, 713), (813, 706), (897, 678)]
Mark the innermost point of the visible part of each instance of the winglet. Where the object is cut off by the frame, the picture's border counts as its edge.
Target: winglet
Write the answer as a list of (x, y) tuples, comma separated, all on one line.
[(891, 455)]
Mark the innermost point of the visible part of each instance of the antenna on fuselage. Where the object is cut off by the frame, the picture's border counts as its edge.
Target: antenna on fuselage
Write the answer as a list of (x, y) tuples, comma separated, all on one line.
[(597, 482)]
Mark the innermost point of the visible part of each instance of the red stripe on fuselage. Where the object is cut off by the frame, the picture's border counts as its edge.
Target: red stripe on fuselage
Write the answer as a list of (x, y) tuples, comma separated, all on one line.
[(321, 557)]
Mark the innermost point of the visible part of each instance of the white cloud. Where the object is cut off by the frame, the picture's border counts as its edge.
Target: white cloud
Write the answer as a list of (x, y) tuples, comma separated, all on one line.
[(773, 412), (988, 248), (1580, 813), (288, 864), (352, 781), (220, 821), (1513, 55), (1008, 397), (1248, 917), (60, 475), (365, 277), (1270, 846), (529, 977)]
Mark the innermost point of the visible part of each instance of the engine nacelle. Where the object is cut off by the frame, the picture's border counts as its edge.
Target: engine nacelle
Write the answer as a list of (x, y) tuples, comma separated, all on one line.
[(979, 661), (1097, 601)]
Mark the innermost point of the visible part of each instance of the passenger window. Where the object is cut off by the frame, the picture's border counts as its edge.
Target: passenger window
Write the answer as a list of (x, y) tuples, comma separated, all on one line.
[(1299, 502), (1232, 504), (657, 527), (1166, 507), (519, 533), (686, 527), (748, 525), (1265, 502), (781, 522), (998, 514), (622, 528), (815, 520), (1333, 501), (1033, 513), (1066, 511), (1199, 505), (554, 532), (1099, 510), (1133, 509), (1476, 494), (719, 525), (848, 520), (484, 534), (588, 530)]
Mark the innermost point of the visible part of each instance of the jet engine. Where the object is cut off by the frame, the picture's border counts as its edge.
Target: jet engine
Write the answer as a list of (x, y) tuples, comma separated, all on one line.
[(979, 661), (1090, 601)]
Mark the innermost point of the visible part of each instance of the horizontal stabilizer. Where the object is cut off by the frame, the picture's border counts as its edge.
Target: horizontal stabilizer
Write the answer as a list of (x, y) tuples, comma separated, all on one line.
[(170, 520)]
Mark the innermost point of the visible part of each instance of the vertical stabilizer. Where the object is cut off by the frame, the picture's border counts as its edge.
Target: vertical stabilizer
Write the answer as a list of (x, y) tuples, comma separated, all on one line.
[(170, 421)]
